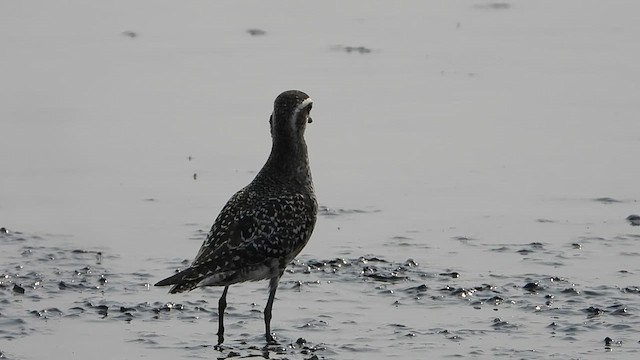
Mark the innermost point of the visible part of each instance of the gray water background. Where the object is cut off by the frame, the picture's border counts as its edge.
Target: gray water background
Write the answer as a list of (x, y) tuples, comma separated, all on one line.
[(476, 162)]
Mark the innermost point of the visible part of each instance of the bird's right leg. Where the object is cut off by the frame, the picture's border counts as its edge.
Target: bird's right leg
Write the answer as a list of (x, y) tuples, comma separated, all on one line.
[(222, 305)]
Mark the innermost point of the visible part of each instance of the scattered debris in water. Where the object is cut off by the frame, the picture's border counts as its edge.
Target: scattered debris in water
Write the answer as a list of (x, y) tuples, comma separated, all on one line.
[(634, 219), (256, 32), (130, 34), (326, 211), (493, 6), (607, 200), (358, 49), (544, 221), (85, 291), (463, 238), (352, 49)]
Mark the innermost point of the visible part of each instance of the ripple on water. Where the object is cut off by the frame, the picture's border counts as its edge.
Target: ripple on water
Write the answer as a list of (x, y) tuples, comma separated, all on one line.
[(78, 285)]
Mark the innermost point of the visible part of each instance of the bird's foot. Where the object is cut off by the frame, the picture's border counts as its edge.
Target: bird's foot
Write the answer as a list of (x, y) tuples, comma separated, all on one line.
[(220, 347), (271, 339)]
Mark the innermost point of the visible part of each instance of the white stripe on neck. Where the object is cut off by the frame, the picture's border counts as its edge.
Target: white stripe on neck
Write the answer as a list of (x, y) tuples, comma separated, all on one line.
[(296, 111)]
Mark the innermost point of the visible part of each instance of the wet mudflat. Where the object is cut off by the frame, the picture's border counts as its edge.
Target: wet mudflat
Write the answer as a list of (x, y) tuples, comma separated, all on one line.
[(475, 163), (372, 305)]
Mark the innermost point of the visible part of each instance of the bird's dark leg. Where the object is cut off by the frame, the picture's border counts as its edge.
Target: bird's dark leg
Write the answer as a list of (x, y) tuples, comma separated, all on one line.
[(222, 305), (273, 285)]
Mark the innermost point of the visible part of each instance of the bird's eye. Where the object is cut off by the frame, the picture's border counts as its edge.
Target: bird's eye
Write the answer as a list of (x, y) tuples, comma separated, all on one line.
[(309, 107)]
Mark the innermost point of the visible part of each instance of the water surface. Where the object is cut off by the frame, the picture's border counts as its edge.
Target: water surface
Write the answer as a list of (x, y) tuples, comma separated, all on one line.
[(474, 161)]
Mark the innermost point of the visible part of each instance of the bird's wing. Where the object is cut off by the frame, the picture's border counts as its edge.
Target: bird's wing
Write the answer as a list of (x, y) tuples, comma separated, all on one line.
[(247, 234), (238, 246)]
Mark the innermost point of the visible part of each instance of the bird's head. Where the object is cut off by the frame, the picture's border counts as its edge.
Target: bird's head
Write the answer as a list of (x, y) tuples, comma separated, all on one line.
[(290, 114)]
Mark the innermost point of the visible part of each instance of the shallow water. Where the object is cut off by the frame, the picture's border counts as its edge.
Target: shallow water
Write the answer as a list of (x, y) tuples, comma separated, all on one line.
[(474, 161), (374, 305)]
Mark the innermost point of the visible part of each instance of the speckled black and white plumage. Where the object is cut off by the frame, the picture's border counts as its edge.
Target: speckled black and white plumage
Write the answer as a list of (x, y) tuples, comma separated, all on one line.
[(266, 224)]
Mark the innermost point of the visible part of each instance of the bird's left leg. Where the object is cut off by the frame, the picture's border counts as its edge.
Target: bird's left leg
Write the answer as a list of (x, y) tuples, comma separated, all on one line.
[(273, 285)]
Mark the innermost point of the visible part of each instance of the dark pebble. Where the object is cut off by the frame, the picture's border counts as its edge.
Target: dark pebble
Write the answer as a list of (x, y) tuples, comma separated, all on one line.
[(18, 289), (301, 341), (593, 311), (411, 263), (465, 293), (102, 309), (622, 311), (533, 286), (417, 289), (499, 323), (571, 291), (392, 276), (453, 274), (365, 260), (168, 307), (496, 300)]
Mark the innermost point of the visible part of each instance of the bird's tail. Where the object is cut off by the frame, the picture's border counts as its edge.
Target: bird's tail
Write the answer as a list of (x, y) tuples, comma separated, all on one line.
[(185, 280)]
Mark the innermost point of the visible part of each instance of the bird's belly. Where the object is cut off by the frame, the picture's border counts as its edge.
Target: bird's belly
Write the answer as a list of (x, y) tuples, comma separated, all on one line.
[(251, 273)]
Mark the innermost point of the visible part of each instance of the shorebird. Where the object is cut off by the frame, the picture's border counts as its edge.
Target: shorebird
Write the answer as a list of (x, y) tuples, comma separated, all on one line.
[(267, 223)]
